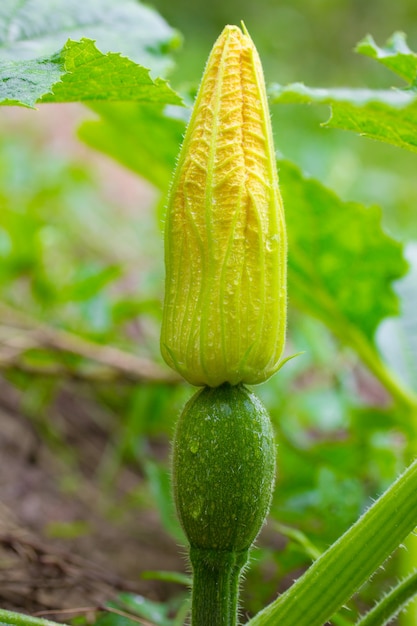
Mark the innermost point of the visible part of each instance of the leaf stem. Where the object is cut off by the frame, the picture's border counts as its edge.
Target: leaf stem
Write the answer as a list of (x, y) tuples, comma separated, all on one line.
[(326, 310), (392, 603), (371, 358)]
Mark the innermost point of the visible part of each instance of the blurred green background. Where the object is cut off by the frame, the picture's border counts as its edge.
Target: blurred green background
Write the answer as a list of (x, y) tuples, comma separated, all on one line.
[(309, 41), (81, 251)]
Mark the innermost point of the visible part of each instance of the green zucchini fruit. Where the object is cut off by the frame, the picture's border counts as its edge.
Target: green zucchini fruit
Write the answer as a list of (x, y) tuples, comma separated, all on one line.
[(223, 469)]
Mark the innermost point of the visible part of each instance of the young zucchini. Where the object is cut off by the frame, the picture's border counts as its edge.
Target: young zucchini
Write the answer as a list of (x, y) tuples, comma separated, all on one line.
[(223, 468)]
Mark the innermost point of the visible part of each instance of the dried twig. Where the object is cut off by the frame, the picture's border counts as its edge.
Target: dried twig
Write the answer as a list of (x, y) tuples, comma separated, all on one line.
[(19, 333)]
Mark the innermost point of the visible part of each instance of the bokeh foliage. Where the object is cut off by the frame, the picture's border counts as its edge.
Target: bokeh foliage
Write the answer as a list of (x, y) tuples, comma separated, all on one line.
[(79, 273)]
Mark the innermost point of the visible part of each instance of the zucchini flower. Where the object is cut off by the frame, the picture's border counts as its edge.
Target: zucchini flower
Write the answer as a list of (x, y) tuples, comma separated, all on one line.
[(224, 314)]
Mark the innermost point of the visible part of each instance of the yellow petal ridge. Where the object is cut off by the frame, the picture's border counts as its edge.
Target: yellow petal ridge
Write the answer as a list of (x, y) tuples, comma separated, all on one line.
[(225, 243)]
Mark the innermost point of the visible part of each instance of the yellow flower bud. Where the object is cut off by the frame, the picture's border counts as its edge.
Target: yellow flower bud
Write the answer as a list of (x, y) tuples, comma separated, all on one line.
[(225, 244)]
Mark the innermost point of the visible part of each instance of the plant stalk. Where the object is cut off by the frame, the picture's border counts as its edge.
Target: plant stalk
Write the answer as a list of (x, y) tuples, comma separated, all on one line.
[(216, 587), (350, 562), (392, 603)]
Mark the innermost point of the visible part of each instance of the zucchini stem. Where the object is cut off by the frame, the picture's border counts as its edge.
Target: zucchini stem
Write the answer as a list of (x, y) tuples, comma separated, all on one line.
[(216, 586)]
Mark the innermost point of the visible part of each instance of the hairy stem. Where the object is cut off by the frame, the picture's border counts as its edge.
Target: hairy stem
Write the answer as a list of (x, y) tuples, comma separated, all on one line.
[(392, 603), (216, 587), (347, 564)]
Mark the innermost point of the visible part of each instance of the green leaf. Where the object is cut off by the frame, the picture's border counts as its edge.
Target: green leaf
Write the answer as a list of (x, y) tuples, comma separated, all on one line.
[(388, 115), (341, 263), (79, 73), (39, 63), (341, 269), (30, 29), (145, 139), (396, 55), (91, 75), (385, 115), (298, 93), (156, 612), (171, 577), (89, 280), (24, 82)]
